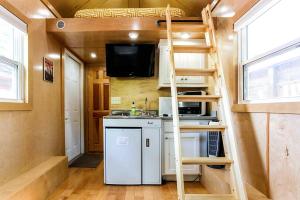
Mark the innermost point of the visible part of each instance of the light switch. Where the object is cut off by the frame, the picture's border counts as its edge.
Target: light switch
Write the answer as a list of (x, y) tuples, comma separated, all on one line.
[(115, 100)]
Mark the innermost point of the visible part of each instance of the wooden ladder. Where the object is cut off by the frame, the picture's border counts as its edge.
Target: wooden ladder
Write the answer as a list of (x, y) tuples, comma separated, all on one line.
[(222, 106)]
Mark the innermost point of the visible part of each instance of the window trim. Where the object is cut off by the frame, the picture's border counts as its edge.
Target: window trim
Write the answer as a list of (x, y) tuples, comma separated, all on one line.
[(26, 105)]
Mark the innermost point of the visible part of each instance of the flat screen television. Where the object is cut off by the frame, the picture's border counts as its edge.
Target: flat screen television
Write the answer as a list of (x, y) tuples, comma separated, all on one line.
[(127, 60)]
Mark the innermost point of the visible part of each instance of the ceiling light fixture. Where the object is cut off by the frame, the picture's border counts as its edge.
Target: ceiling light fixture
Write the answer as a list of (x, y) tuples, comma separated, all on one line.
[(230, 37), (133, 35), (54, 56), (44, 12), (93, 55), (225, 11), (185, 35)]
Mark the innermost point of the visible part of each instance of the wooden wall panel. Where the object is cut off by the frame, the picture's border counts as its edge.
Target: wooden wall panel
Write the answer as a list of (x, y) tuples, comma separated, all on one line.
[(251, 135), (31, 8), (31, 137), (136, 89), (284, 157)]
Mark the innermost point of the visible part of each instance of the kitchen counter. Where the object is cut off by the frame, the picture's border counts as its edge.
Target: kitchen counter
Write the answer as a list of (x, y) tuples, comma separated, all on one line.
[(130, 117), (189, 117)]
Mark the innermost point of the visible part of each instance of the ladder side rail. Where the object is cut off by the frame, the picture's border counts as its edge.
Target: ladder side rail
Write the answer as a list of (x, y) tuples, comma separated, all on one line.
[(225, 110), (176, 128)]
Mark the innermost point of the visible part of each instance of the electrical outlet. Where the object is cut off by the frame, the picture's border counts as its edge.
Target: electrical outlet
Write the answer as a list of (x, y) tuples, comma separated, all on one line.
[(115, 100)]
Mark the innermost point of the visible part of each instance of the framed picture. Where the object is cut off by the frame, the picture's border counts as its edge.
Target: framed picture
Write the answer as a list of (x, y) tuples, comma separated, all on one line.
[(48, 70)]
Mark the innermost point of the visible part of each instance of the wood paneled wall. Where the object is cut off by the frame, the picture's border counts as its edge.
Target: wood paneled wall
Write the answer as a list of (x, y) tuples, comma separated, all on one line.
[(137, 89), (30, 137)]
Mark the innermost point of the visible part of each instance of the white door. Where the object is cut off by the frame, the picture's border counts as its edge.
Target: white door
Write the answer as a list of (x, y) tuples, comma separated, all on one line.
[(72, 107)]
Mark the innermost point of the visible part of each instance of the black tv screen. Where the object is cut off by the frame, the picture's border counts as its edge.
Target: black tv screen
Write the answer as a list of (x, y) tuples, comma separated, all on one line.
[(124, 60)]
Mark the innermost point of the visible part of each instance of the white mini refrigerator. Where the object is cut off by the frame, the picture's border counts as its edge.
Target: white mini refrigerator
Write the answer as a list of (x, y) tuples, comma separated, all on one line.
[(132, 156)]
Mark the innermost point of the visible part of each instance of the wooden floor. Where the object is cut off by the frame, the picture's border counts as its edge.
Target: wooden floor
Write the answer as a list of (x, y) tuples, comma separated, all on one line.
[(87, 184)]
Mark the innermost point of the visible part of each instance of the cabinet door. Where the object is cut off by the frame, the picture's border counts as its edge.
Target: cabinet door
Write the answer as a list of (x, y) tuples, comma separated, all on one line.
[(190, 146), (164, 74), (151, 156), (190, 61), (182, 60)]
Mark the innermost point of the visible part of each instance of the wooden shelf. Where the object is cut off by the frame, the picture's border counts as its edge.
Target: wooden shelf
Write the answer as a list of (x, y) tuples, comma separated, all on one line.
[(198, 98), (209, 197), (182, 85), (194, 72), (189, 27), (206, 160), (192, 49), (202, 128)]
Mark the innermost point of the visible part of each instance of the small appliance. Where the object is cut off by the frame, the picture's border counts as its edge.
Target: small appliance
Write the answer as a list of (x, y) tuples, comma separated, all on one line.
[(215, 146), (185, 108)]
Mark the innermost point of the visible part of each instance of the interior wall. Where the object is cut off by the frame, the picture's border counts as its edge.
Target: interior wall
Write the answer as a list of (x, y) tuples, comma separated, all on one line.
[(137, 89), (267, 143), (31, 137)]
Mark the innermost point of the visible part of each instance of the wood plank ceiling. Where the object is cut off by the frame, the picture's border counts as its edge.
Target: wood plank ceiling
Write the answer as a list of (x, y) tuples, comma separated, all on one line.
[(67, 8)]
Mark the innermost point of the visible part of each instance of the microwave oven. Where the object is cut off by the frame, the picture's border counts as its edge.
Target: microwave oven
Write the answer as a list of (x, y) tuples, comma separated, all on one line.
[(184, 108)]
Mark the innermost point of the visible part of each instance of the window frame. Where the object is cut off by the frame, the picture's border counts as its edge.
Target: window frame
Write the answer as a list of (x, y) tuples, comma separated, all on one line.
[(26, 103), (242, 40), (20, 83)]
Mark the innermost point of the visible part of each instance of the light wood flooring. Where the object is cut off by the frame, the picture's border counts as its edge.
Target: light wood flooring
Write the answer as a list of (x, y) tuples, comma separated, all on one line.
[(87, 184)]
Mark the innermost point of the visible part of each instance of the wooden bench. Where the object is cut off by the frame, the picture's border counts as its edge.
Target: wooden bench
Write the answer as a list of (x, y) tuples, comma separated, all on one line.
[(37, 183)]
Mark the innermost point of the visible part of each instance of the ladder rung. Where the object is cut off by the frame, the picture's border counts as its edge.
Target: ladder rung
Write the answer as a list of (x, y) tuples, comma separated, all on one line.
[(194, 72), (209, 197), (198, 98), (192, 49), (189, 27), (206, 160), (197, 128)]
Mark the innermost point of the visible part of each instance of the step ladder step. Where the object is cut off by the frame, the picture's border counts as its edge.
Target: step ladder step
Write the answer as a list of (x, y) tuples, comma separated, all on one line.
[(209, 197), (192, 49), (206, 160), (194, 72), (198, 98), (197, 128), (189, 27)]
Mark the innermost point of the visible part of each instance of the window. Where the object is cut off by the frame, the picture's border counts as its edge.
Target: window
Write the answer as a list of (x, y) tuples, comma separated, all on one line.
[(269, 52), (13, 57)]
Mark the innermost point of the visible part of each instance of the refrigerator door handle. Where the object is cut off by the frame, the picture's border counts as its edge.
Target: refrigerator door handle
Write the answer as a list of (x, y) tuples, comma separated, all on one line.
[(147, 142)]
